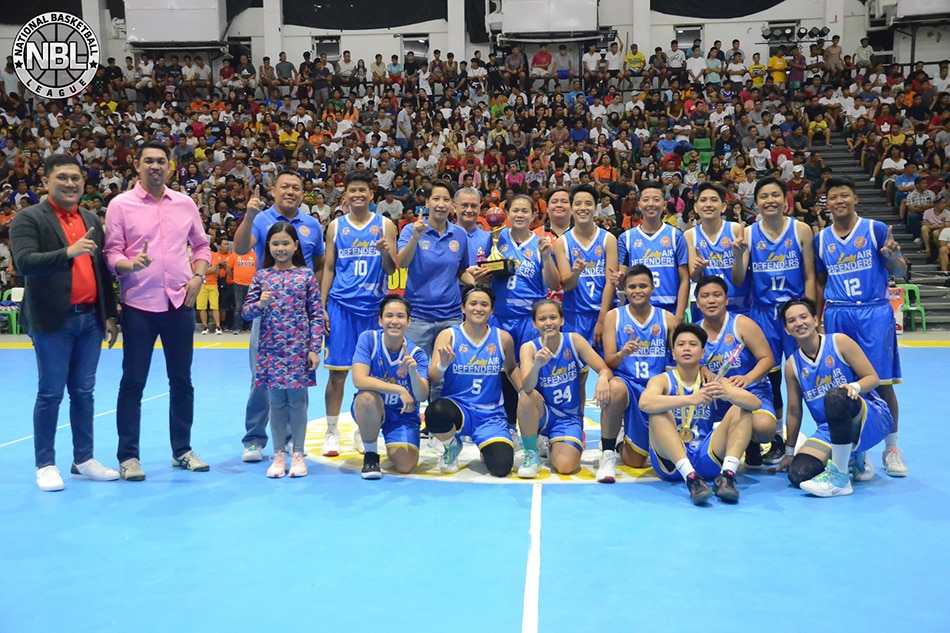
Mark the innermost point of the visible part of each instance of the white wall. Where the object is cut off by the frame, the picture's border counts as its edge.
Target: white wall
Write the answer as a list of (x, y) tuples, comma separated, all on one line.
[(933, 45)]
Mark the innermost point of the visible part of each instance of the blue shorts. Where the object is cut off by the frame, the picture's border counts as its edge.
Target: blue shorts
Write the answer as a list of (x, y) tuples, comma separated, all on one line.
[(761, 390), (558, 427), (521, 329), (400, 430), (484, 427), (581, 322), (345, 329), (700, 455), (636, 424), (876, 423), (872, 327), (563, 74), (782, 344)]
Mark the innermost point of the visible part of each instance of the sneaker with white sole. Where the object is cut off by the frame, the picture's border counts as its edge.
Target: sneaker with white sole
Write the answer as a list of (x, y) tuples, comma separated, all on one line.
[(331, 444), (190, 461), (831, 482), (278, 467), (516, 441), (358, 442), (893, 458), (544, 446), (450, 458), (219, 332), (252, 454), (204, 331), (531, 466), (131, 470), (860, 468), (607, 470), (371, 468), (48, 479), (298, 465), (93, 471)]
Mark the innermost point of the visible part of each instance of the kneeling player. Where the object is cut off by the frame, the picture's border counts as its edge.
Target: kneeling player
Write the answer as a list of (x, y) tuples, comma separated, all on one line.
[(685, 438), (551, 371), (837, 382), (388, 372), (471, 357)]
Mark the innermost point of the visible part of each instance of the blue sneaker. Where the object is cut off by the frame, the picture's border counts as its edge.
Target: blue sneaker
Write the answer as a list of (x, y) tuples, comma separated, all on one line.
[(450, 459), (829, 483), (860, 468), (531, 466)]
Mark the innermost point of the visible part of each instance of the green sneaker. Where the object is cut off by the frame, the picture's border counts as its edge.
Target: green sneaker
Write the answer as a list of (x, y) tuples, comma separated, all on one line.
[(829, 483)]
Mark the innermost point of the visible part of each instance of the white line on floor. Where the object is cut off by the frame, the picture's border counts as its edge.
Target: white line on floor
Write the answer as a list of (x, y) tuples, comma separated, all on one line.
[(529, 614)]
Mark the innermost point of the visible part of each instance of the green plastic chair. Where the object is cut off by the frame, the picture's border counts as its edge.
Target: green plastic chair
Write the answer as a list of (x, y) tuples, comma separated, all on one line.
[(702, 144), (912, 306), (15, 295), (705, 157)]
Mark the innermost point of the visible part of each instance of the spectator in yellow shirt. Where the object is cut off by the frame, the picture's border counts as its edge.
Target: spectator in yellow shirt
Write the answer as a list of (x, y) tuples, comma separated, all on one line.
[(778, 66), (633, 64)]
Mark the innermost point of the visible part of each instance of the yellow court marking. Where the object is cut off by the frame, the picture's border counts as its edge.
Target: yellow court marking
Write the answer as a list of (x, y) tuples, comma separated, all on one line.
[(198, 345), (919, 344)]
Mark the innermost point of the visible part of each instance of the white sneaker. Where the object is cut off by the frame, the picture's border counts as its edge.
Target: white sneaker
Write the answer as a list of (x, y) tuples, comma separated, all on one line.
[(94, 471), (894, 462), (252, 454), (48, 479), (831, 482), (860, 468), (607, 471), (278, 467), (219, 332), (204, 331), (516, 440), (331, 444), (918, 241), (358, 442), (544, 446), (531, 466), (450, 458)]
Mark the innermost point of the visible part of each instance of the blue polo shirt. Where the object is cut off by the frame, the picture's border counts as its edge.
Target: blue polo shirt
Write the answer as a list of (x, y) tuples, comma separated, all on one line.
[(479, 240), (309, 231), (432, 278)]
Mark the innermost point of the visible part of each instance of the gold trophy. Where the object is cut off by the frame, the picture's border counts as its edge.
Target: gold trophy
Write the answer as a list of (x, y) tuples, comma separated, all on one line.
[(496, 262)]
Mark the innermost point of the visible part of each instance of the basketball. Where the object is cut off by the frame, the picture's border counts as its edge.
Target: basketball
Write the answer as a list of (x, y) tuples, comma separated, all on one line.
[(495, 216)]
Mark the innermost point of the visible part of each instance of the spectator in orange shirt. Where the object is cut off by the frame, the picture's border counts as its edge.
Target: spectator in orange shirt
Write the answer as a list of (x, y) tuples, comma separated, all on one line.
[(226, 303)]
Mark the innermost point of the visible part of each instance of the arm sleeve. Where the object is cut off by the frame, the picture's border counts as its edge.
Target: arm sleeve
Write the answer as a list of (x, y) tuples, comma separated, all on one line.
[(25, 249)]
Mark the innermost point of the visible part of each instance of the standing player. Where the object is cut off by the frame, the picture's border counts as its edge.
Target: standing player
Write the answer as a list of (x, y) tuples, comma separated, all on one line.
[(778, 254), (635, 347), (661, 248), (360, 248), (687, 438), (854, 256), (390, 373), (710, 245), (551, 370), (726, 332), (837, 382), (470, 358)]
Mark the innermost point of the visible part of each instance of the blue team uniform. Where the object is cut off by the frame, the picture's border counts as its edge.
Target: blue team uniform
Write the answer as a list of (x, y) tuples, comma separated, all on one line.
[(716, 352), (559, 383), (516, 294), (432, 278), (778, 275), (582, 304), (699, 450), (856, 293), (717, 250), (399, 429), (830, 371), (359, 284), (651, 359), (473, 383), (309, 231), (663, 253)]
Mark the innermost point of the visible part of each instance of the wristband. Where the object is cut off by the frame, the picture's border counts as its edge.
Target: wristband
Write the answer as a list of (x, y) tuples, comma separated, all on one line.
[(201, 277), (441, 367), (856, 386), (789, 451)]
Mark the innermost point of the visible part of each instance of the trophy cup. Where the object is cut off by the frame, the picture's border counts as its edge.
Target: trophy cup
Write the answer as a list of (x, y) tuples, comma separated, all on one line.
[(496, 262)]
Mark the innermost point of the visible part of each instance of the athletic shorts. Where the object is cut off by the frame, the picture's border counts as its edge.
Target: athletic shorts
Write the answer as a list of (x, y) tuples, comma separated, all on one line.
[(484, 427), (521, 329), (700, 455), (400, 430), (563, 74), (558, 427), (207, 297), (761, 390), (782, 344), (636, 424), (872, 327), (345, 329), (876, 423), (581, 322)]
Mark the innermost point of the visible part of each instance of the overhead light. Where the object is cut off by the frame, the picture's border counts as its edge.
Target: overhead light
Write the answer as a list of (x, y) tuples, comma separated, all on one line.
[(789, 31), (824, 31), (777, 32), (766, 32), (802, 33)]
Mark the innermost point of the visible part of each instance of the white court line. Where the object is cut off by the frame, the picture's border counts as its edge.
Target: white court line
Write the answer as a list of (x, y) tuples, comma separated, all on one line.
[(98, 415), (529, 613)]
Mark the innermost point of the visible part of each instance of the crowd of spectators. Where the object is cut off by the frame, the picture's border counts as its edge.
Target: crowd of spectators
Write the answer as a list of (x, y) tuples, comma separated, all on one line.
[(504, 124)]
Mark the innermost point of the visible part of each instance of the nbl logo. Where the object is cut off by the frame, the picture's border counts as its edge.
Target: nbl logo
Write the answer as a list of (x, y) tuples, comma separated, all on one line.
[(56, 55)]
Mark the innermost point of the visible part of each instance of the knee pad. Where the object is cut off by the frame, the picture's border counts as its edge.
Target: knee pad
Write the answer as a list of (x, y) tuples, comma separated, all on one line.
[(803, 468), (775, 378), (443, 416), (840, 411), (499, 458)]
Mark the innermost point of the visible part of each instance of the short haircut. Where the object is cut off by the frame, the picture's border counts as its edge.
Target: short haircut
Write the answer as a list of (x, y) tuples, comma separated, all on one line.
[(770, 180), (711, 279), (393, 297), (652, 184), (440, 184), (468, 191), (689, 328), (588, 189), (358, 175), (712, 186), (467, 290), (546, 302), (58, 160), (800, 301), (288, 172), (555, 190), (152, 145), (638, 269), (839, 181)]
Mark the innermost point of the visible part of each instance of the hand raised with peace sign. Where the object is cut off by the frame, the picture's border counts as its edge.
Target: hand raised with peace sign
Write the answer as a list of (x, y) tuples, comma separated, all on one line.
[(256, 204)]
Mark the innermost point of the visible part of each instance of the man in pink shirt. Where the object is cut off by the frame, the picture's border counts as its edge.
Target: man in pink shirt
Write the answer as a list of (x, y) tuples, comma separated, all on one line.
[(148, 232)]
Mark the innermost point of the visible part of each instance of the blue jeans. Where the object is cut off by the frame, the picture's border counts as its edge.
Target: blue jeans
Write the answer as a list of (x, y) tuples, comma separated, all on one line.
[(140, 330), (240, 293), (258, 404), (66, 359)]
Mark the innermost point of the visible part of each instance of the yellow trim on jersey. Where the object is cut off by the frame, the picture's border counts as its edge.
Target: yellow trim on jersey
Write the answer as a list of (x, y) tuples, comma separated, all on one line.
[(765, 412), (395, 445), (636, 449), (495, 440), (892, 381), (337, 367), (569, 440)]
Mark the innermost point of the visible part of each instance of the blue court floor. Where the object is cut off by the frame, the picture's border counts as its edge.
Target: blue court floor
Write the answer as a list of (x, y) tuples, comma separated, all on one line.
[(231, 550)]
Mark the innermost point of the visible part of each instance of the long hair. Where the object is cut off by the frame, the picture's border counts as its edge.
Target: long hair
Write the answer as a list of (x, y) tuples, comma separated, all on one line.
[(282, 227)]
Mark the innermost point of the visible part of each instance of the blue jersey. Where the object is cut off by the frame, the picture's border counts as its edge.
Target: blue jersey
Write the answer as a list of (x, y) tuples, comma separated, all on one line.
[(559, 380), (586, 296), (856, 269), (309, 231), (652, 356), (701, 420), (479, 245), (386, 365), (359, 281), (474, 377), (777, 267), (719, 348), (717, 250), (432, 277), (663, 253), (828, 371), (516, 295)]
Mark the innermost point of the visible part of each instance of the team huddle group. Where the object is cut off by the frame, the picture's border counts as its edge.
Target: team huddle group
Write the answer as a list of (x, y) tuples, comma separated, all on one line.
[(502, 351)]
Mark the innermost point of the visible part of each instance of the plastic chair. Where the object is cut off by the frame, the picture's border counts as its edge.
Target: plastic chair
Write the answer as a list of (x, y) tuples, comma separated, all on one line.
[(705, 157), (912, 306), (702, 144), (15, 295)]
